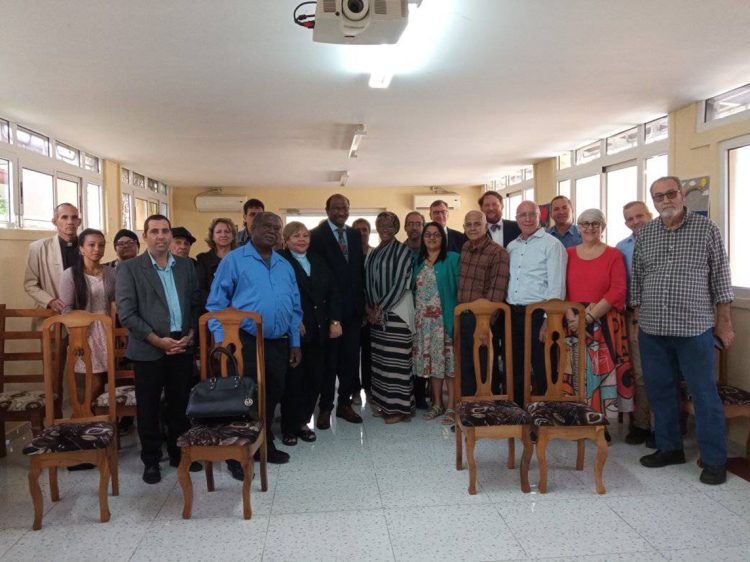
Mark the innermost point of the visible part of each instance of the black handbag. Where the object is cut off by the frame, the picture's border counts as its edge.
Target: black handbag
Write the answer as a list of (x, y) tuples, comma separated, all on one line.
[(222, 398)]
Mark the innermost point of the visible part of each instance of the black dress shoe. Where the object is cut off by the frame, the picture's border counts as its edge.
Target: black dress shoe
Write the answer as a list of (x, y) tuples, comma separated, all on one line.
[(663, 458), (348, 414), (650, 441), (714, 474), (82, 466), (195, 466), (422, 405), (274, 456), (636, 436), (152, 474), (324, 419), (235, 469)]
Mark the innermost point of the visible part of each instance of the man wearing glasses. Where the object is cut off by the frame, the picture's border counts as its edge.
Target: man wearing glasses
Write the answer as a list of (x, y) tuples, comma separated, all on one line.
[(681, 292), (126, 247)]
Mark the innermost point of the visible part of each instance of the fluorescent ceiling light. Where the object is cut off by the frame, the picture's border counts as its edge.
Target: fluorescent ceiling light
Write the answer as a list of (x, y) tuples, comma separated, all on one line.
[(417, 45), (344, 179), (359, 132)]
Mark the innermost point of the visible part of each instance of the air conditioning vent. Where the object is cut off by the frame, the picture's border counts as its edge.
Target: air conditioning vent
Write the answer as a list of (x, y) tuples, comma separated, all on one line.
[(225, 203), (424, 201), (381, 7), (329, 6)]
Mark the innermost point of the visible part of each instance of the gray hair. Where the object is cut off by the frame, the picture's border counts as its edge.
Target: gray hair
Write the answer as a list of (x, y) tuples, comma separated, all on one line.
[(592, 215)]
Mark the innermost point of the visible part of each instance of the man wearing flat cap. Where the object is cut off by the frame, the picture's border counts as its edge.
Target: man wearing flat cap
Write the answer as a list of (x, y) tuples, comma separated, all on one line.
[(182, 241), (127, 247)]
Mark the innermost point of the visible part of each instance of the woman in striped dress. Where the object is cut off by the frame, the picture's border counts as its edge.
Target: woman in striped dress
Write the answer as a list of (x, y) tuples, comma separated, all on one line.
[(390, 311)]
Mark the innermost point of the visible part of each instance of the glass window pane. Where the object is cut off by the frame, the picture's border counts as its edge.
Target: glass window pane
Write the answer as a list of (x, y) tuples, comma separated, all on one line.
[(528, 194), (163, 189), (153, 185), (67, 192), (728, 103), (515, 178), (164, 209), (4, 130), (565, 160), (124, 175), (622, 141), (4, 191), (588, 194), (622, 188), (38, 205), (91, 163), (32, 141), (528, 173), (563, 188), (153, 207), (512, 202), (67, 153), (656, 167), (93, 206), (656, 130), (739, 199), (589, 152), (141, 212), (126, 216), (138, 180)]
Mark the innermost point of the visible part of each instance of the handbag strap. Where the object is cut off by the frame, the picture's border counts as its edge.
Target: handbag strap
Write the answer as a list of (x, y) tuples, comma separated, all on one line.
[(228, 352)]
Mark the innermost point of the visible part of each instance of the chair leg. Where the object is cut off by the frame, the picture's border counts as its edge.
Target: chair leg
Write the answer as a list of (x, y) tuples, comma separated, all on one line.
[(526, 459), (103, 463), (541, 454), (36, 493), (580, 459), (511, 453), (114, 469), (459, 448), (183, 477), (747, 448), (264, 466), (248, 467), (3, 450), (471, 461), (209, 468), (601, 458), (54, 489)]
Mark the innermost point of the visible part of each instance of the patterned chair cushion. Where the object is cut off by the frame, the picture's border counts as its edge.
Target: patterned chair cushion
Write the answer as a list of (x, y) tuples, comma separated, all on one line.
[(565, 413), (124, 396), (486, 413), (22, 400), (221, 434), (72, 437), (731, 395)]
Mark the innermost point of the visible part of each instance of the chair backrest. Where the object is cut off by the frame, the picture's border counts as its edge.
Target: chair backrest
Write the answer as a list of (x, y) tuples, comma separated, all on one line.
[(557, 354), (230, 320), (77, 325), (7, 335), (123, 367), (483, 311)]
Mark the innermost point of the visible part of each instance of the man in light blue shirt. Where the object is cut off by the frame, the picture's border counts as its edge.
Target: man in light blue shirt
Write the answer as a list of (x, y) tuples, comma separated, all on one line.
[(561, 211), (255, 278), (538, 264), (636, 215)]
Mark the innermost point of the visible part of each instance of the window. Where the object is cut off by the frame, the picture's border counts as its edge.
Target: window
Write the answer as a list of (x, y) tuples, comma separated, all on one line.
[(587, 195), (67, 191), (728, 103), (565, 160), (738, 199), (4, 191), (164, 209), (94, 206), (91, 163), (153, 185), (512, 202), (67, 153), (656, 167), (588, 153), (656, 130), (30, 140), (126, 211), (4, 131), (138, 180), (38, 199), (622, 141), (141, 197), (153, 207), (563, 188), (622, 188), (124, 175), (141, 212)]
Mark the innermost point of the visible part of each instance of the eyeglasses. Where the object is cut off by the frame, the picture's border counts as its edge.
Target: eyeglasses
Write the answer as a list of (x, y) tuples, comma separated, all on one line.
[(434, 235), (590, 225), (659, 197), (473, 224), (126, 243)]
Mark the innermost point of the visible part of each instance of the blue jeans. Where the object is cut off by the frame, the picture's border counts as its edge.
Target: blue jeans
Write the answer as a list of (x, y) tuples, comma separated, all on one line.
[(664, 359)]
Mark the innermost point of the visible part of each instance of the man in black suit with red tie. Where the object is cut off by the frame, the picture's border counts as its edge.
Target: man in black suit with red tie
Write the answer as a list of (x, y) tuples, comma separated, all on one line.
[(501, 231), (341, 247)]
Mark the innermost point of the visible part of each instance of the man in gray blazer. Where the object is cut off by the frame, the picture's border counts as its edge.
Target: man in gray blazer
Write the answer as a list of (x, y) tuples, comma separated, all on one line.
[(158, 301)]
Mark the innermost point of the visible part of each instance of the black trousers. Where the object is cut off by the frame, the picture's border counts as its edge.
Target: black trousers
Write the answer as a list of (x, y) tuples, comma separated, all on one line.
[(468, 378), (276, 356), (342, 361), (538, 371), (171, 374), (366, 370), (302, 388)]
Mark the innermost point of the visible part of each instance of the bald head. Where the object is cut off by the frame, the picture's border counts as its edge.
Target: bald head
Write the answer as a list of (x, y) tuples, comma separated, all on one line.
[(527, 216), (475, 225)]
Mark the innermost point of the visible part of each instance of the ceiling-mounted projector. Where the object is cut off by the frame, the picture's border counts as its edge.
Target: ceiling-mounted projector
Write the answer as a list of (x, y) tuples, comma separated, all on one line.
[(360, 22)]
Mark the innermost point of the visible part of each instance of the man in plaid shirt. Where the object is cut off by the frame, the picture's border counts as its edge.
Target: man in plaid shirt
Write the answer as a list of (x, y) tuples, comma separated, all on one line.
[(681, 292)]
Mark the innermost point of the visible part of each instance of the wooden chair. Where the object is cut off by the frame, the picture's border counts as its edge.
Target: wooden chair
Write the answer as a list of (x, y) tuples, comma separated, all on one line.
[(124, 375), (84, 437), (556, 415), (24, 404), (485, 415), (736, 400), (231, 440)]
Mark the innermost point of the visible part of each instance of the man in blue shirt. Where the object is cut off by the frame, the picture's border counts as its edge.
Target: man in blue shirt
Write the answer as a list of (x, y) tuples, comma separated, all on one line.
[(561, 211), (636, 215), (255, 278)]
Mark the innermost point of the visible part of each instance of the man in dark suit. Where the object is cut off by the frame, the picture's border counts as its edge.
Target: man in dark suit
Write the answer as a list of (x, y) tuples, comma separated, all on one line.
[(341, 247), (158, 301), (439, 214), (501, 231)]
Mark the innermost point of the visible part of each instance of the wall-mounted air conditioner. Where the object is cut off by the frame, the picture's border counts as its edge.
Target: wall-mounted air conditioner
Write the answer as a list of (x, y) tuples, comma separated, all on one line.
[(212, 203), (424, 201)]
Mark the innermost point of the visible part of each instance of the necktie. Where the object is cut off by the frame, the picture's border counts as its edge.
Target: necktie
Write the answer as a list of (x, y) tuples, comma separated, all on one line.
[(495, 227), (342, 242)]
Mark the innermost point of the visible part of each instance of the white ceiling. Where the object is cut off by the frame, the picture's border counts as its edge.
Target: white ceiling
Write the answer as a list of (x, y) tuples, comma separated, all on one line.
[(232, 93)]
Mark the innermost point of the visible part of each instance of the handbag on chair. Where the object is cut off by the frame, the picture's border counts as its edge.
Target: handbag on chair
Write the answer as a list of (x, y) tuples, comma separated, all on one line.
[(223, 398)]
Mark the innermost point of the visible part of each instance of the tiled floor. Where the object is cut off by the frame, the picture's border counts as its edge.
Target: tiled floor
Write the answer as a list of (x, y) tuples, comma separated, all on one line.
[(377, 492)]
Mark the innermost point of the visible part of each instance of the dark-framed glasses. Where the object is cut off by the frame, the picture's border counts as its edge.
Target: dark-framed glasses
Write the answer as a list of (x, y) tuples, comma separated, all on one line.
[(595, 225), (659, 197)]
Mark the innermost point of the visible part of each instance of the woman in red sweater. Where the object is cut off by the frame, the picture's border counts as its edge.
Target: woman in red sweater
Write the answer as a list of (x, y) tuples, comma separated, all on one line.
[(596, 277)]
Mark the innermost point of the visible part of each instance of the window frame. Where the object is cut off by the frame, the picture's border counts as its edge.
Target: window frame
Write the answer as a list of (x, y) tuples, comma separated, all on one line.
[(133, 192), (723, 217), (702, 124)]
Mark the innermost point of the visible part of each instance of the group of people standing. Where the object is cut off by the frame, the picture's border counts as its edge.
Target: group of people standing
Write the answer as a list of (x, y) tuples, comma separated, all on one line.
[(325, 296)]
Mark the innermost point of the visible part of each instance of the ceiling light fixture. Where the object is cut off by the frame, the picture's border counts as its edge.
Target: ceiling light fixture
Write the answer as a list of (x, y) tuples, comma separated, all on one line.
[(359, 132), (344, 179)]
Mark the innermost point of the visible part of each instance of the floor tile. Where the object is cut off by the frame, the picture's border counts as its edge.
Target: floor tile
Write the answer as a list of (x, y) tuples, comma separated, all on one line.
[(470, 532), (569, 528), (9, 537), (409, 487), (353, 535), (737, 501), (328, 490), (714, 554), (328, 455)]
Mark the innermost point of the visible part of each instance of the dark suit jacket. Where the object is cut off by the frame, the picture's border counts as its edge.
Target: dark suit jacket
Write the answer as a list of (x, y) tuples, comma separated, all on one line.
[(348, 275), (511, 231), (319, 295), (206, 265), (456, 240), (142, 304)]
